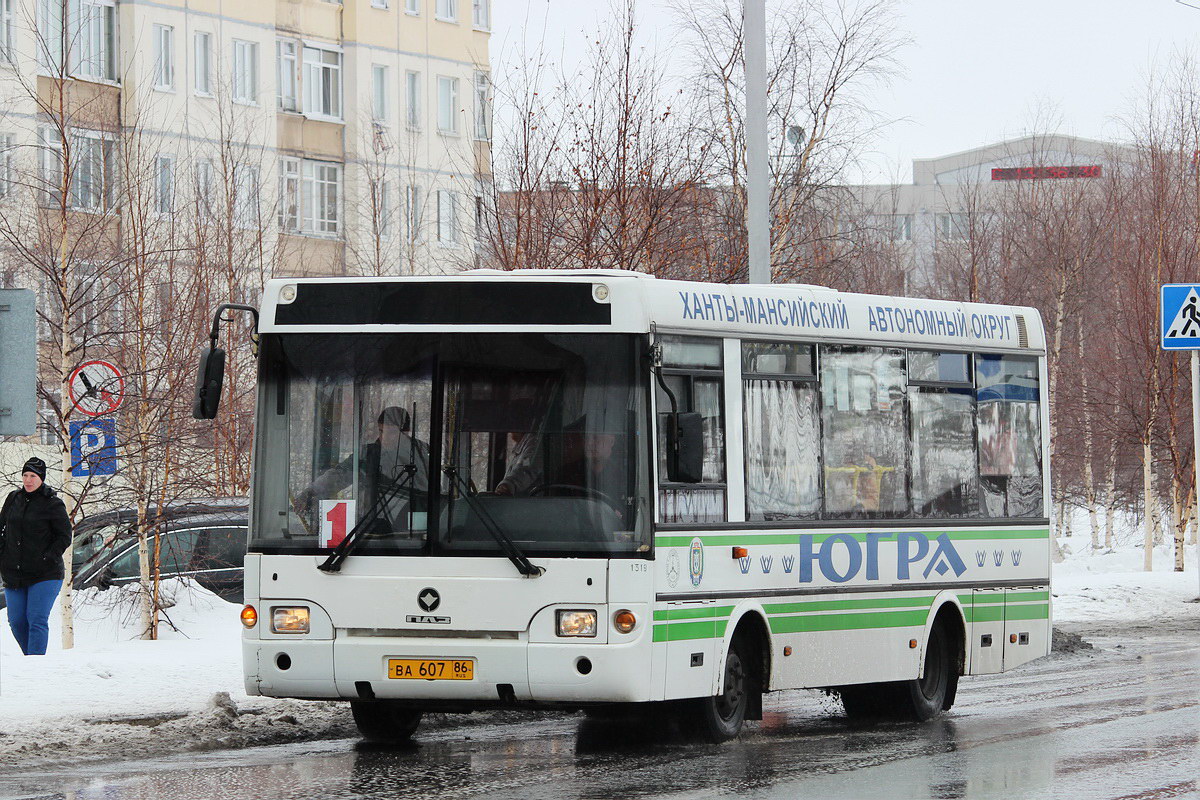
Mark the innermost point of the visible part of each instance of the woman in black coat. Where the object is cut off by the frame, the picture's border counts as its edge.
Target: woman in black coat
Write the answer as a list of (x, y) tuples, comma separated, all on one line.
[(34, 534)]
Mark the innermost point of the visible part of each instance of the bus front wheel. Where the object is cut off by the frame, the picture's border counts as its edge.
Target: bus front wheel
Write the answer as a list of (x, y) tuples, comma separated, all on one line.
[(720, 718), (383, 722)]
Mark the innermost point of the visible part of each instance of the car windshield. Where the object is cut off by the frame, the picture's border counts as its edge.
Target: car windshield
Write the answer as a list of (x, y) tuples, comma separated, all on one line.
[(539, 436)]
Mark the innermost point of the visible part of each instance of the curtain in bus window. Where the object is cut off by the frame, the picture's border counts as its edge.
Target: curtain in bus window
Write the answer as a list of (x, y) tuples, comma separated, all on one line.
[(944, 481), (782, 450), (865, 438), (1010, 454)]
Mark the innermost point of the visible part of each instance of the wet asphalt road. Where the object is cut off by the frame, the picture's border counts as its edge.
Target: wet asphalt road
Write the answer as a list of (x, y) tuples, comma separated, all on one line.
[(1123, 722)]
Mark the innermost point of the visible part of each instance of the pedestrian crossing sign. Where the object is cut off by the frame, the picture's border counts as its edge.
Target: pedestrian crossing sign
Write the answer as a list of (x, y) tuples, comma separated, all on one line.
[(1180, 315)]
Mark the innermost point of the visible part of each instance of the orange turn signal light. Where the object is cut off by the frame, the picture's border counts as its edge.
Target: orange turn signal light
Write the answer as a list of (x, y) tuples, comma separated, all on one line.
[(1012, 638), (740, 552), (787, 651), (249, 616), (624, 621), (912, 644)]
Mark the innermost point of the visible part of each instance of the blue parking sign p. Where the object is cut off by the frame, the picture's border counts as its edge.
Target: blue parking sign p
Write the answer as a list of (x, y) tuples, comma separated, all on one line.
[(1179, 316), (93, 447)]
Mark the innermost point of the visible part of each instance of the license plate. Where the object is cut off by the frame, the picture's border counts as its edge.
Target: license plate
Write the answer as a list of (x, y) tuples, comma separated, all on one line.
[(431, 669)]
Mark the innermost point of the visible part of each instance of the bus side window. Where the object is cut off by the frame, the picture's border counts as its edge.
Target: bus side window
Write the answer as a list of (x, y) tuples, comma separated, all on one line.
[(865, 437), (941, 397), (1010, 422), (693, 370), (782, 431)]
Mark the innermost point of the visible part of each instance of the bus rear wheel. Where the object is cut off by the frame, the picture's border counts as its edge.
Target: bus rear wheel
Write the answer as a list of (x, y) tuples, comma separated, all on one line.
[(383, 722), (720, 718), (921, 699)]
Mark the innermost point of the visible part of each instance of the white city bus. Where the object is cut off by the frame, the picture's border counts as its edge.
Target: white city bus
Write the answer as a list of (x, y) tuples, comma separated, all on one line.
[(579, 489)]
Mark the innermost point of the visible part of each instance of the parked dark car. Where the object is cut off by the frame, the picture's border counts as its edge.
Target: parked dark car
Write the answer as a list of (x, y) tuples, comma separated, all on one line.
[(204, 540)]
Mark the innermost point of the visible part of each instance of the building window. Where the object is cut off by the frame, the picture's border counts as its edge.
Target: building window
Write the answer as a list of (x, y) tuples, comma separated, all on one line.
[(289, 194), (379, 4), (90, 38), (954, 227), (309, 196), (901, 227), (202, 55), (323, 82), (412, 212), (286, 71), (379, 81), (164, 58), (165, 184), (412, 99), (483, 107), (447, 217), (447, 10), (92, 178), (319, 200), (50, 156), (412, 7), (447, 105), (6, 164), (481, 14), (245, 196), (204, 184), (6, 30), (381, 206), (245, 71)]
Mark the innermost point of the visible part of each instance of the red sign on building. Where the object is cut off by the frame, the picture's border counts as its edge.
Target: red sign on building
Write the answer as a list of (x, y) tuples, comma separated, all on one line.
[(1044, 173)]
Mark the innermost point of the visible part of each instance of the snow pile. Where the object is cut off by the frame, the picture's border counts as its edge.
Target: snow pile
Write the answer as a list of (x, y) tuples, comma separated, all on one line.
[(1112, 587), (114, 694)]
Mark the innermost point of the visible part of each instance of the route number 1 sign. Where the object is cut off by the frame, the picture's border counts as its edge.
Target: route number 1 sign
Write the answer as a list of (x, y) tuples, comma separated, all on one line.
[(337, 516)]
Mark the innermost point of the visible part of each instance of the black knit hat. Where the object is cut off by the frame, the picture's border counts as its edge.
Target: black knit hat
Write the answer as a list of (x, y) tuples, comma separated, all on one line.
[(36, 466)]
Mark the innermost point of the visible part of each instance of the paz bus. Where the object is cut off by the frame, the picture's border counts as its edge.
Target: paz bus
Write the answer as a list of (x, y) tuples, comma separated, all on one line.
[(586, 489)]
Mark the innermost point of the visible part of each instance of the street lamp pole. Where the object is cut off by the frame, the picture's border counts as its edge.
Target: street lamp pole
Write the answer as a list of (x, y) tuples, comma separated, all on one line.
[(758, 197)]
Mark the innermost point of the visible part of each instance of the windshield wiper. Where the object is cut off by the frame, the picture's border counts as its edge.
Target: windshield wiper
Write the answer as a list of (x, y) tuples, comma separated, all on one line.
[(357, 534), (510, 548)]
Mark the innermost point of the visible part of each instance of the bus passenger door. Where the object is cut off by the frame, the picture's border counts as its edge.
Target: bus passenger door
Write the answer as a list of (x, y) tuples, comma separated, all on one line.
[(987, 631), (693, 637)]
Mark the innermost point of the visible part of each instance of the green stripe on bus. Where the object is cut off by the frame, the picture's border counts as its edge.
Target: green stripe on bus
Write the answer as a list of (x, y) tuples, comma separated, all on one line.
[(1013, 613), (680, 631), (842, 605), (692, 613), (847, 622), (749, 538), (991, 598), (985, 614)]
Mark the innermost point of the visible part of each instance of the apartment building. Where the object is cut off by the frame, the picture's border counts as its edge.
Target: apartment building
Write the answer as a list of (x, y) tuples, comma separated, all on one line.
[(352, 137)]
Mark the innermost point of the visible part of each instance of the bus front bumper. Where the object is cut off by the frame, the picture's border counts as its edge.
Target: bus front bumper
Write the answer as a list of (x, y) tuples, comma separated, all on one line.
[(505, 671)]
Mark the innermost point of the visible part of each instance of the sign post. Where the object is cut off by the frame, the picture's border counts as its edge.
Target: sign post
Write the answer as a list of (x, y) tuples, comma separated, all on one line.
[(1179, 315)]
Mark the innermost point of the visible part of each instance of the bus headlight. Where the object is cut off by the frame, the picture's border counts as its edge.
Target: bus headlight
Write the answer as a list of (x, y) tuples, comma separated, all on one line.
[(624, 621), (289, 619), (576, 623)]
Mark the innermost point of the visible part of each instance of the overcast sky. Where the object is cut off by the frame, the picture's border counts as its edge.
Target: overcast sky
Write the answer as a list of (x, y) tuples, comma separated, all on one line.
[(976, 72)]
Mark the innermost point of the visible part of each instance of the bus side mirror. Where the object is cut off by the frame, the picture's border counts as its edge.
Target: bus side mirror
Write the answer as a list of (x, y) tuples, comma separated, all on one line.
[(685, 447), (209, 380)]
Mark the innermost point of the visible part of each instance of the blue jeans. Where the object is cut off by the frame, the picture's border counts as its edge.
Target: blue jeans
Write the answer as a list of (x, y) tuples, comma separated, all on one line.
[(29, 614)]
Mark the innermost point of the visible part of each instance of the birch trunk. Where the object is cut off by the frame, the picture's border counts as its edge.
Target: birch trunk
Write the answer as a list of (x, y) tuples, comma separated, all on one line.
[(1089, 479), (1148, 506), (1110, 496)]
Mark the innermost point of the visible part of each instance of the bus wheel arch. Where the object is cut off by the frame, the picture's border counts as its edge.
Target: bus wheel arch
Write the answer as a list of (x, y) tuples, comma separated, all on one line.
[(946, 629), (750, 627)]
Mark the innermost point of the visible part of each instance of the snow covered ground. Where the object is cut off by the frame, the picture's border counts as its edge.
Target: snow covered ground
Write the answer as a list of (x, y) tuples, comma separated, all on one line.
[(115, 695)]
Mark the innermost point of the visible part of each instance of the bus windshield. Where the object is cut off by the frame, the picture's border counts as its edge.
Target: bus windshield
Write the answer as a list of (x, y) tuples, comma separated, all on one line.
[(433, 442)]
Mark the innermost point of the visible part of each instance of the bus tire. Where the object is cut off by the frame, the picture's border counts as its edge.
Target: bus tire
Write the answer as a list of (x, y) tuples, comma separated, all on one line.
[(383, 722), (931, 694), (720, 718)]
